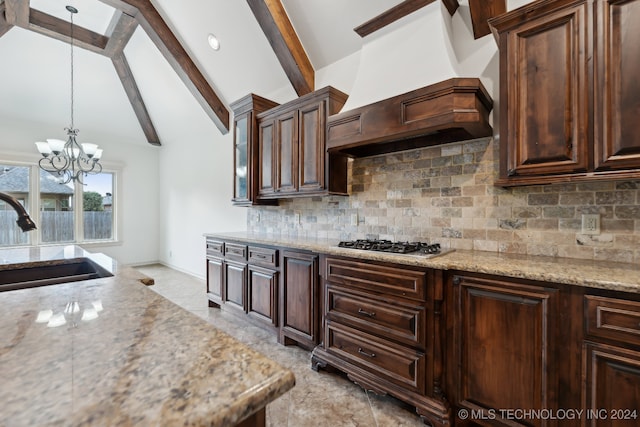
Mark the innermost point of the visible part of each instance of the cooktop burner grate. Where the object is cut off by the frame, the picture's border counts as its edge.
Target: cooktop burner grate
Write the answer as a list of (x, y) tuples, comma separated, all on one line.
[(389, 246)]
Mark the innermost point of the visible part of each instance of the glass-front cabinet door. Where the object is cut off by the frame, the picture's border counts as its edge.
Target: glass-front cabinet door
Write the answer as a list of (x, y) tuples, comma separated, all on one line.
[(246, 167), (241, 156)]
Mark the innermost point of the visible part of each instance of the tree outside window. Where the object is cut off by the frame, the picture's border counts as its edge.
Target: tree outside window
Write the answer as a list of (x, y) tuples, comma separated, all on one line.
[(97, 203)]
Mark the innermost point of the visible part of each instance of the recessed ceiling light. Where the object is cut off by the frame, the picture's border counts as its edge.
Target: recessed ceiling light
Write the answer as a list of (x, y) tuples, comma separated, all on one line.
[(213, 42)]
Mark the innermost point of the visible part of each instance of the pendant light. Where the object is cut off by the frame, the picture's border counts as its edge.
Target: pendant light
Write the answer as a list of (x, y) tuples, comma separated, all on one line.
[(69, 160)]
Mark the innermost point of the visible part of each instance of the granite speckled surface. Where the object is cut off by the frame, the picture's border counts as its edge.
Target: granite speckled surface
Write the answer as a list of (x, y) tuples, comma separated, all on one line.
[(126, 356), (595, 274)]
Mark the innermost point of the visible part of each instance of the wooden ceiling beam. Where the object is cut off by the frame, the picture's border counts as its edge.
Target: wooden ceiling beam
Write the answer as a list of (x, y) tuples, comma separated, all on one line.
[(398, 12), (4, 25), (451, 5), (277, 27), (164, 39), (131, 88), (481, 11), (17, 12), (60, 29), (119, 32), (391, 15)]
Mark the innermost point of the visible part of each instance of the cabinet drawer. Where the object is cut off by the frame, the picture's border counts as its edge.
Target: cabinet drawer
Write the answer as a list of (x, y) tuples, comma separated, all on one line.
[(399, 281), (235, 251), (215, 247), (267, 257), (388, 318), (613, 318), (395, 363)]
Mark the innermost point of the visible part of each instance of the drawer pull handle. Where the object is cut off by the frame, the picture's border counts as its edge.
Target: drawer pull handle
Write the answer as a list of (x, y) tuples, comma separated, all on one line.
[(366, 313), (361, 351), (260, 256)]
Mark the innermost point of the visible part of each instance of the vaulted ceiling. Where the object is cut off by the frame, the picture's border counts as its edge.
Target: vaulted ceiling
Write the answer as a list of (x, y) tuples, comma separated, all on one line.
[(142, 61)]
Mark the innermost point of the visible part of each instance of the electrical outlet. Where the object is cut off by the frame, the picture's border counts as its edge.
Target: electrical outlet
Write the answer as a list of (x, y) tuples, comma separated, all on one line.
[(591, 224), (296, 218), (354, 219)]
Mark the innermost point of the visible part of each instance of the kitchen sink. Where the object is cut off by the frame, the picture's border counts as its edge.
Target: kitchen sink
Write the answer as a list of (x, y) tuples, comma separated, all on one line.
[(51, 274)]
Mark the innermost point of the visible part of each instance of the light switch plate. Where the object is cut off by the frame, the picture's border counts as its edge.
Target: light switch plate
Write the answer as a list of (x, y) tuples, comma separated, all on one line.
[(591, 224)]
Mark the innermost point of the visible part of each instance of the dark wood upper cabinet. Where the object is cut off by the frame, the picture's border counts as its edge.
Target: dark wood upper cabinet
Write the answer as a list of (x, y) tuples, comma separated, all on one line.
[(292, 148), (286, 152), (311, 128), (265, 166), (246, 180), (617, 103), (568, 91)]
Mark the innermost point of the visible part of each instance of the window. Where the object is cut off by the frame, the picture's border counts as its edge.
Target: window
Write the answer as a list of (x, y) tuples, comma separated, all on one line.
[(14, 181), (57, 221), (63, 213), (97, 207)]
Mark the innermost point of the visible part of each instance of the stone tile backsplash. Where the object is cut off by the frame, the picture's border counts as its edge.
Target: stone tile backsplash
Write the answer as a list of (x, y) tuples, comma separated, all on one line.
[(446, 194)]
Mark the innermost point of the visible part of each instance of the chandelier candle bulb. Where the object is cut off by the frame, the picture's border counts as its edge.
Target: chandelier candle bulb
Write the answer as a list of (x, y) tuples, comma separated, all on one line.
[(56, 145), (89, 149), (44, 148)]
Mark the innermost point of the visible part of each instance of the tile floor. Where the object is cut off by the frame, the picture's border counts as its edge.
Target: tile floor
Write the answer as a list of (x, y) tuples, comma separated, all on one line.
[(318, 398)]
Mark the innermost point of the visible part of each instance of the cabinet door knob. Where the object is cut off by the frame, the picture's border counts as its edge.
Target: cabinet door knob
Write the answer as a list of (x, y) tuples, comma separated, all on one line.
[(366, 313), (361, 351)]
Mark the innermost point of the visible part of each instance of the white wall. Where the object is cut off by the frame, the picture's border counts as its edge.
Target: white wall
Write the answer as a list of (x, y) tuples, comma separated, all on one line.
[(195, 196), (195, 164)]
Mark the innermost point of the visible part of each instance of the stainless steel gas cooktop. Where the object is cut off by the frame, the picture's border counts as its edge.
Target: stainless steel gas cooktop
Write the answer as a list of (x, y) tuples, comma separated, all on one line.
[(406, 248)]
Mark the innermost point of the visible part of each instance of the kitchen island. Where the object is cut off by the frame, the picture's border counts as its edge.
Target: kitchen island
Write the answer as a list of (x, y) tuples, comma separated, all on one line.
[(109, 351)]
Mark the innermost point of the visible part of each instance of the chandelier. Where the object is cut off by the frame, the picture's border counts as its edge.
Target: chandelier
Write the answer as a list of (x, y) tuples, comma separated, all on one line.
[(69, 160)]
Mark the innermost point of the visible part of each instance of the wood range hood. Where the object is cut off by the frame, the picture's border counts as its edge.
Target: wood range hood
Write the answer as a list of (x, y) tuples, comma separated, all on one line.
[(452, 110)]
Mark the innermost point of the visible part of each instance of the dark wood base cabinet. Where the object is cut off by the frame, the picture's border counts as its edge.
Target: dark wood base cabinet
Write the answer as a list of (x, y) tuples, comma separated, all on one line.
[(503, 349), (524, 353), (381, 325), (611, 360), (299, 307), (243, 279), (465, 349)]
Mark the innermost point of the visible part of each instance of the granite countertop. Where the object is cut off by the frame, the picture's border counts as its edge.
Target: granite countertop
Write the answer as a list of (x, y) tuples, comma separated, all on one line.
[(128, 356), (594, 274)]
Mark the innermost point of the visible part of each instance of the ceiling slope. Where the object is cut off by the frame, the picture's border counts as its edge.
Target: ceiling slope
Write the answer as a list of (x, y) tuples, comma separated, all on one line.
[(128, 14), (164, 39), (120, 30), (277, 27)]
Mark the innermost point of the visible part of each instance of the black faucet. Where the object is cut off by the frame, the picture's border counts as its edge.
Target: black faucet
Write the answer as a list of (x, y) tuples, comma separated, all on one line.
[(24, 222)]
